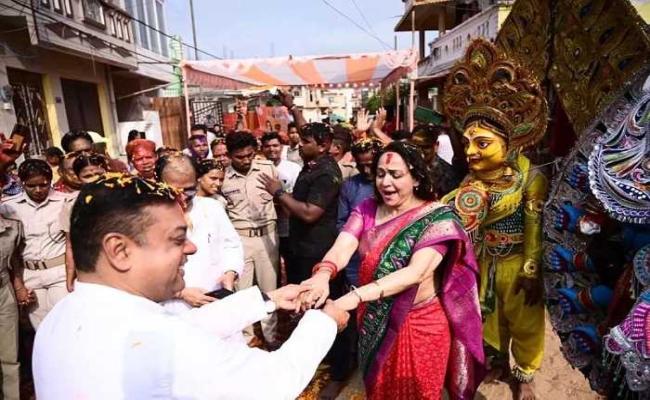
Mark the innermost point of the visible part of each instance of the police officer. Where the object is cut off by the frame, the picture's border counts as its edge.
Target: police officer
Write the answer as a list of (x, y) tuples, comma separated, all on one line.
[(252, 213)]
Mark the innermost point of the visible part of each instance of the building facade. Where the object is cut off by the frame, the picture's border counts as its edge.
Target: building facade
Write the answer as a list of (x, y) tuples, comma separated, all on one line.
[(76, 64), (456, 23)]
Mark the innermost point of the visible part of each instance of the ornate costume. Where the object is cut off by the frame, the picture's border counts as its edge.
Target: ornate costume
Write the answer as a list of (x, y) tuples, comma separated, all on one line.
[(500, 108), (597, 250)]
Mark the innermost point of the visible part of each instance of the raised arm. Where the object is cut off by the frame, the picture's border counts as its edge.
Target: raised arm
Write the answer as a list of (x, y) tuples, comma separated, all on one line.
[(421, 268)]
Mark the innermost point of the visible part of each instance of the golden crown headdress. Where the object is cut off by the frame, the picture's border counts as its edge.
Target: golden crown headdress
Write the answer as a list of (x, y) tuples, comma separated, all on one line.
[(485, 85)]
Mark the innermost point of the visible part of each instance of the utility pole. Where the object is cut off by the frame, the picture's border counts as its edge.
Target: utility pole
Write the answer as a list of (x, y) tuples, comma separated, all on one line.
[(196, 48)]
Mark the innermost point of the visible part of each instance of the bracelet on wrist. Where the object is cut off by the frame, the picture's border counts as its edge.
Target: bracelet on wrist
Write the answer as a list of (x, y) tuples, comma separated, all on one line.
[(325, 265), (354, 292)]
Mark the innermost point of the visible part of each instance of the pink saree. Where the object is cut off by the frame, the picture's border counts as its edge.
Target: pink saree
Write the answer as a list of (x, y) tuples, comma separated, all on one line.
[(410, 350)]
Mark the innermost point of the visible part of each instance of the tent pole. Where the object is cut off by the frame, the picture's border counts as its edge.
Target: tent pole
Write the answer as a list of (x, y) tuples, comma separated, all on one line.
[(187, 103), (414, 74), (397, 104)]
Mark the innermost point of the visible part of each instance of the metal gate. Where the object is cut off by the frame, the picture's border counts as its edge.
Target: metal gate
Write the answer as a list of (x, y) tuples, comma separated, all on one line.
[(29, 106), (207, 112)]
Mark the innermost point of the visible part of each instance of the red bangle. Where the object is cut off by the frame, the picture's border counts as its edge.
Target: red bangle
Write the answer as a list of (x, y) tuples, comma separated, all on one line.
[(330, 266)]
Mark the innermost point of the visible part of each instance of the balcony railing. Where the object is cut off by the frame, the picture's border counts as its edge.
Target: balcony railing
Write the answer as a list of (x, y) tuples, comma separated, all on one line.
[(448, 48)]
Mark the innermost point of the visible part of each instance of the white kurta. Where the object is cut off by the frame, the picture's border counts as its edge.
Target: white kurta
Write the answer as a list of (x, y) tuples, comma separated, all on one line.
[(219, 249), (103, 343)]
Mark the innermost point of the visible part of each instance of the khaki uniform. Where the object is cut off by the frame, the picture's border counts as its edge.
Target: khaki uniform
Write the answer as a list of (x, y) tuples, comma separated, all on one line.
[(44, 251), (11, 240), (348, 169), (252, 213)]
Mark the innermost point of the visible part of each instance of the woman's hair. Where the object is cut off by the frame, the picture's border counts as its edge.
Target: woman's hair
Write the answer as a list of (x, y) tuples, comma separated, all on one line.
[(84, 160), (412, 156), (207, 165), (34, 167)]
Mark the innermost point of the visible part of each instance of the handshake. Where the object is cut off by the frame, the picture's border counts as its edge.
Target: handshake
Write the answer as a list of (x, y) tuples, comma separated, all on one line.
[(305, 296)]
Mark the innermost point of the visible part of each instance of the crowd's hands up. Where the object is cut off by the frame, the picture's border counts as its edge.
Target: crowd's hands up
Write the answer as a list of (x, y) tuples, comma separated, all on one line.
[(319, 290), (285, 98), (195, 297), (363, 123), (287, 297), (24, 296), (380, 120), (269, 183), (339, 315)]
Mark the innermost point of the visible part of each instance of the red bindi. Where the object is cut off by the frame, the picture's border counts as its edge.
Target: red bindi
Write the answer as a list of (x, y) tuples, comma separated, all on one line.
[(389, 156)]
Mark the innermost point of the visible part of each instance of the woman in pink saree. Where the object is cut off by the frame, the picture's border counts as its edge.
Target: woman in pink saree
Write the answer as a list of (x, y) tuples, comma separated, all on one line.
[(417, 307)]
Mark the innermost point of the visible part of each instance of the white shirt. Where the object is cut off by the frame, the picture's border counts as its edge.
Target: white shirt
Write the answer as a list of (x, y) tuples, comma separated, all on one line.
[(445, 150), (103, 343), (288, 174), (219, 249)]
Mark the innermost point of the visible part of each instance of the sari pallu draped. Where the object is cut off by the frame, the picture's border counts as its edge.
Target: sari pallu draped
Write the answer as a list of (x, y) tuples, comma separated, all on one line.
[(380, 321)]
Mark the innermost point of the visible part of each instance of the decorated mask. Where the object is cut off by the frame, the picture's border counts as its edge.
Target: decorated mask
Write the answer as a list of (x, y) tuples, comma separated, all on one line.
[(498, 105)]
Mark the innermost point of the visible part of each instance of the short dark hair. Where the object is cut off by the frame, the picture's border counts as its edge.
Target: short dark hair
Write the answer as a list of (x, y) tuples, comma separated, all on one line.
[(342, 137), (412, 156), (268, 136), (207, 165), (165, 160), (72, 136), (429, 132), (291, 125), (34, 167), (219, 140), (199, 127), (401, 134), (240, 140), (318, 131), (54, 152), (196, 137), (113, 204), (84, 160), (135, 134)]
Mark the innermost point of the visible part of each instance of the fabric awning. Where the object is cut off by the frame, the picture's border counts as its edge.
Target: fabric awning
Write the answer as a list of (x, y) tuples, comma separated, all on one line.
[(350, 70)]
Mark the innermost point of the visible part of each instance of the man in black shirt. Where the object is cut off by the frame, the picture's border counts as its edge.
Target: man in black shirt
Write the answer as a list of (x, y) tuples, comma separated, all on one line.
[(313, 203), (313, 206)]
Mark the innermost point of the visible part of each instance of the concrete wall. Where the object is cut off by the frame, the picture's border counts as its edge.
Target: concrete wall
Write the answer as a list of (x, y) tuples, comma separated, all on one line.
[(53, 66)]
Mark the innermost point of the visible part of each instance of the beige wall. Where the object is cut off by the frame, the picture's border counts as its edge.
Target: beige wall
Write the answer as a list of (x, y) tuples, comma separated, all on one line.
[(53, 66)]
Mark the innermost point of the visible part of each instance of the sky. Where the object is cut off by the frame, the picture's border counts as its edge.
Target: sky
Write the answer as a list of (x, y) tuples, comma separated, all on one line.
[(258, 28)]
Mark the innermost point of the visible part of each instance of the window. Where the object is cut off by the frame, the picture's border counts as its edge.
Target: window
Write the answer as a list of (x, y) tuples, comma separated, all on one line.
[(56, 4), (161, 27), (94, 12), (151, 21), (45, 3), (67, 7), (142, 16)]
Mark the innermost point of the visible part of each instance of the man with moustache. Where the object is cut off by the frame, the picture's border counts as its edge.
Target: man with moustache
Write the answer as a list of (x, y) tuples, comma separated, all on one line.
[(142, 155)]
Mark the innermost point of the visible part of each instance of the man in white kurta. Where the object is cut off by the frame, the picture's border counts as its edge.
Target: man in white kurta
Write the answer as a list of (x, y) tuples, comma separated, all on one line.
[(110, 339)]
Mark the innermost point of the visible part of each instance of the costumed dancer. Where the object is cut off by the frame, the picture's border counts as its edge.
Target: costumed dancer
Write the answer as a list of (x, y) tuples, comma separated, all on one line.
[(500, 108)]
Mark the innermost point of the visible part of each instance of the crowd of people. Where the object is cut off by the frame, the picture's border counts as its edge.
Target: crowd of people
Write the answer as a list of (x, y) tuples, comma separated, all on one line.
[(321, 221)]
